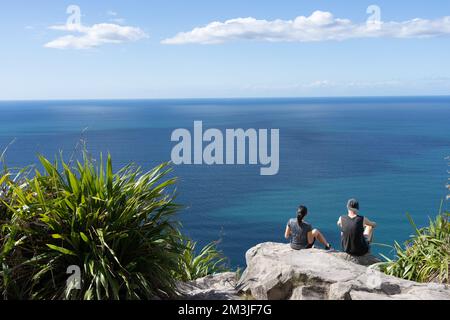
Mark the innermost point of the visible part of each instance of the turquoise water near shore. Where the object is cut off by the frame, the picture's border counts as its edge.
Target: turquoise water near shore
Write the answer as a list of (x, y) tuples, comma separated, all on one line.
[(388, 152)]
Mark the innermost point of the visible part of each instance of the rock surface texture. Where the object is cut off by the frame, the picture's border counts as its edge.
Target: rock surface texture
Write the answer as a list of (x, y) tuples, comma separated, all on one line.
[(220, 286), (275, 271)]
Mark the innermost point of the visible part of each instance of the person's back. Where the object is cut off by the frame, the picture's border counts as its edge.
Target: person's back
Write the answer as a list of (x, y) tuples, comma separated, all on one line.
[(302, 234), (353, 240), (299, 234), (356, 230)]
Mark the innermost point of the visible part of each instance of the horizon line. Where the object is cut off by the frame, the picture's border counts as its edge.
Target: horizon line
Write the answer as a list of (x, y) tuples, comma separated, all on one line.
[(224, 98)]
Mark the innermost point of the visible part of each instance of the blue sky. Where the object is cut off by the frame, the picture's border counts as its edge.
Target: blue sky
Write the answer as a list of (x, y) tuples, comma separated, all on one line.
[(134, 49)]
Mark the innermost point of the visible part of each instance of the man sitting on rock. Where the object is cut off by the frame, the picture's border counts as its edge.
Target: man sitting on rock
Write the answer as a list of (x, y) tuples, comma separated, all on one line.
[(356, 230), (302, 234)]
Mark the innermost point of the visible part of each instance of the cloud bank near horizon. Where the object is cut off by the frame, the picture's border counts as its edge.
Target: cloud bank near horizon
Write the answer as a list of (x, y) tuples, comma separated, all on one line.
[(87, 37), (319, 26)]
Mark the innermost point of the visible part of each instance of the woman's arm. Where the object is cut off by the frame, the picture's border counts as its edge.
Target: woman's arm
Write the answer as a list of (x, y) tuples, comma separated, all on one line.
[(287, 233)]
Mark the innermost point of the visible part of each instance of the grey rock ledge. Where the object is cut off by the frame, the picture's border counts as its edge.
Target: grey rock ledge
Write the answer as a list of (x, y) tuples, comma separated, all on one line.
[(276, 272)]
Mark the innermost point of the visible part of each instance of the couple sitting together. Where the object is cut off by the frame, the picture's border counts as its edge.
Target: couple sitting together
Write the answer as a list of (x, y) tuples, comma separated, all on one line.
[(356, 231)]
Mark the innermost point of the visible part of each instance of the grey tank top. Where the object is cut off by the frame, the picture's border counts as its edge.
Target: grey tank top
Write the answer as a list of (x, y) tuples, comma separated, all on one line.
[(299, 234)]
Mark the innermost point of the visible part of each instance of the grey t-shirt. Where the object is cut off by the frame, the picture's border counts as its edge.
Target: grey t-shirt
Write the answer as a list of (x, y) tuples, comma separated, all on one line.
[(299, 234)]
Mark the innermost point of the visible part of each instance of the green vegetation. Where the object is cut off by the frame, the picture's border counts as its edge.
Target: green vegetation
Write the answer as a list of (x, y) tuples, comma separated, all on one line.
[(426, 256), (208, 261), (118, 228)]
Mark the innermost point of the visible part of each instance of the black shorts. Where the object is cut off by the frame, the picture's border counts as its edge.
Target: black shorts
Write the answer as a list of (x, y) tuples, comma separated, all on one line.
[(309, 246), (301, 247)]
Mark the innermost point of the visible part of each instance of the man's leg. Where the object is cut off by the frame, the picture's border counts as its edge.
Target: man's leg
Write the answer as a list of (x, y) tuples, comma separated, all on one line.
[(368, 232), (318, 236)]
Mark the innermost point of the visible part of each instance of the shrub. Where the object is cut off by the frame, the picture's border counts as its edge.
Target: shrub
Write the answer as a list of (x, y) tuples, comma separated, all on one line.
[(117, 228), (426, 256), (208, 261)]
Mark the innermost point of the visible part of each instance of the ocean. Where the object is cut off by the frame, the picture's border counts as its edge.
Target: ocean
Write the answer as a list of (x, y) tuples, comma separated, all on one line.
[(387, 152)]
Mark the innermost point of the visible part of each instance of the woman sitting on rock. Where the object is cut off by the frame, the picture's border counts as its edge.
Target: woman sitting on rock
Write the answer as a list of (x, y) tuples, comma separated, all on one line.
[(302, 235)]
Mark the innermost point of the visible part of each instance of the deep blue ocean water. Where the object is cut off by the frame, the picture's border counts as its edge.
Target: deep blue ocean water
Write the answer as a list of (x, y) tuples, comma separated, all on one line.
[(388, 152)]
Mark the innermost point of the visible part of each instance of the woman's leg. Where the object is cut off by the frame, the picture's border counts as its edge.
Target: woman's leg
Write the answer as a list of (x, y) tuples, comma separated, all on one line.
[(368, 232), (319, 236)]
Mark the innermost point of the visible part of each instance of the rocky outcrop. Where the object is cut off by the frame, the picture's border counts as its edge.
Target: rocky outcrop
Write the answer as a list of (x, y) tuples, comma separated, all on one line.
[(276, 272), (220, 286), (366, 260)]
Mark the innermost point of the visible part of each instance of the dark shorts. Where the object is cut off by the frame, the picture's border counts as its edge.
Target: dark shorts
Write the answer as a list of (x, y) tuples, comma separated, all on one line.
[(301, 247), (309, 246)]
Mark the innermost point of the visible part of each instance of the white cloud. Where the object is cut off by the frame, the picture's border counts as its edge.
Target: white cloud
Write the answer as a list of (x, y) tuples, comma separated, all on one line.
[(351, 84), (320, 85), (319, 26), (87, 37), (111, 13), (118, 20)]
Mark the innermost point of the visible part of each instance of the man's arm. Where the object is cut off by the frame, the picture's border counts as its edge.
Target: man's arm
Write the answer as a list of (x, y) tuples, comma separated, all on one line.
[(287, 233), (369, 223), (339, 223)]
